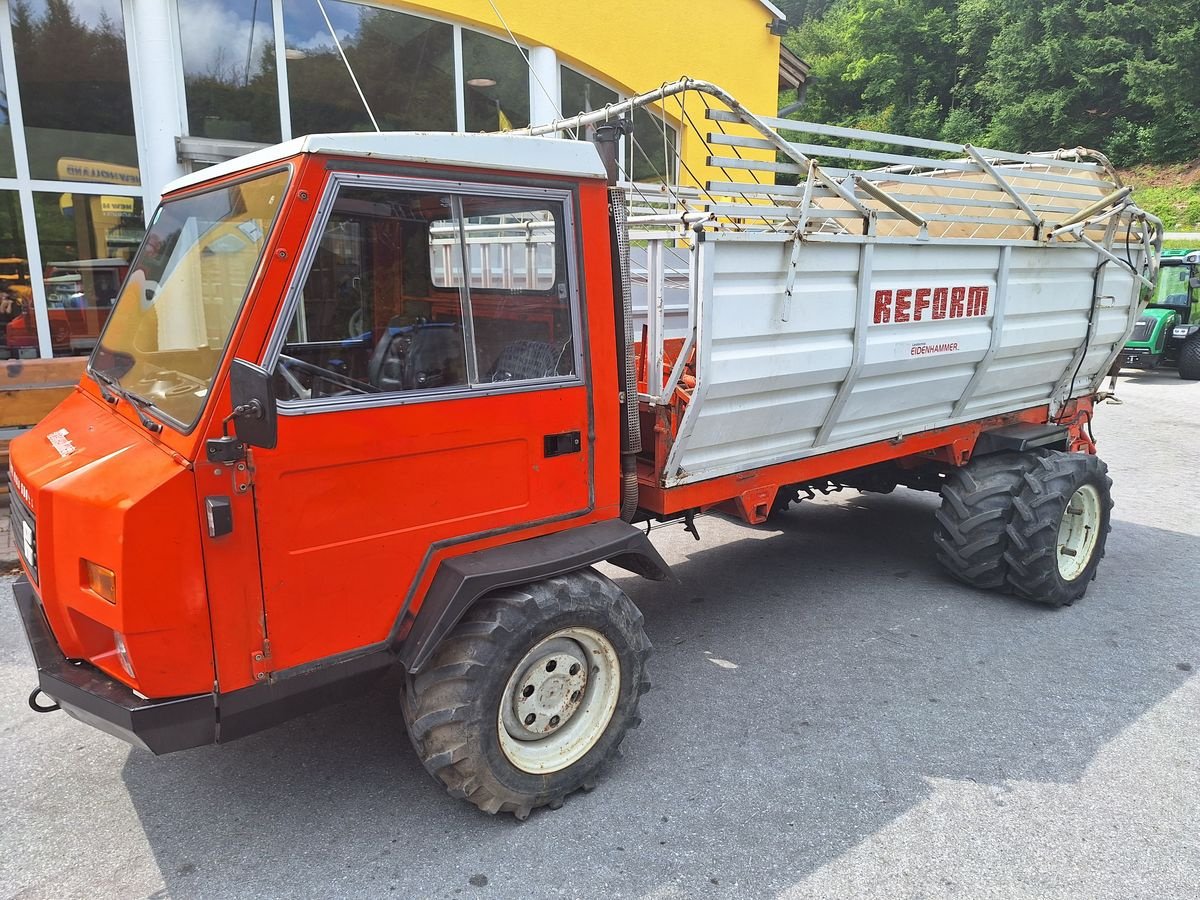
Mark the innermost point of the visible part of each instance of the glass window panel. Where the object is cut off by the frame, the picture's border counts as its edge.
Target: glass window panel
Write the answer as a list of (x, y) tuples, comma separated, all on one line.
[(582, 94), (179, 305), (404, 64), (520, 302), (651, 160), (87, 241), (496, 80), (370, 319), (18, 331), (381, 310), (73, 75), (8, 166), (229, 69)]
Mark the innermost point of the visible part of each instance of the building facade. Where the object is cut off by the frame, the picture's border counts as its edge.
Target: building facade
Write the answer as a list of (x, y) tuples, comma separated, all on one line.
[(106, 101)]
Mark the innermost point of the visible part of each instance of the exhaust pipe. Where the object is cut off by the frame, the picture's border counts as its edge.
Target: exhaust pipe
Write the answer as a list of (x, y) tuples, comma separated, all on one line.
[(607, 140)]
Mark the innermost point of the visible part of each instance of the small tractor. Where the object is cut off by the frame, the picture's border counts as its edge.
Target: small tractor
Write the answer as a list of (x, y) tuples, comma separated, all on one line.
[(1168, 331)]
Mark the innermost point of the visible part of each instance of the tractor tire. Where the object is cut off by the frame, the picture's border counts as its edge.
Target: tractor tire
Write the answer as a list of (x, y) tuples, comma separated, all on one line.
[(1060, 524), (971, 527), (531, 693), (1189, 358)]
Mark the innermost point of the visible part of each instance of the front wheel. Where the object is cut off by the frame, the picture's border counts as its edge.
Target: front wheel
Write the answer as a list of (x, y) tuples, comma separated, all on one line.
[(1189, 358), (531, 693), (1060, 523)]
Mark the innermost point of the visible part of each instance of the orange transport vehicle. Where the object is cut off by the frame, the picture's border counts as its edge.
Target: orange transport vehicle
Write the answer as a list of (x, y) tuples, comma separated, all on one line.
[(378, 400)]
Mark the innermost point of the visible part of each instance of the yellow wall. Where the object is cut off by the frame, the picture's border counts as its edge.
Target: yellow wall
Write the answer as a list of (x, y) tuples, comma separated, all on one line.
[(636, 45)]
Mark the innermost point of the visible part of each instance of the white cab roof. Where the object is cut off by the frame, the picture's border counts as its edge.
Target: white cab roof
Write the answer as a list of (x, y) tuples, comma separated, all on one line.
[(502, 152)]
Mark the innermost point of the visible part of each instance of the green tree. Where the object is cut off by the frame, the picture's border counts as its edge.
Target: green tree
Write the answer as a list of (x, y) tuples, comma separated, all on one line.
[(1122, 77)]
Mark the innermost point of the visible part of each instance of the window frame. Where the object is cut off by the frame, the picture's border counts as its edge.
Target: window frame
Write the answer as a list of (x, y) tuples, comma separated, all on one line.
[(560, 199)]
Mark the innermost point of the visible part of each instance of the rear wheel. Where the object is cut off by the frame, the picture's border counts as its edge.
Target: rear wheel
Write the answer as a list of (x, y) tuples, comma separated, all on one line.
[(531, 693), (971, 527), (1189, 358), (1060, 524)]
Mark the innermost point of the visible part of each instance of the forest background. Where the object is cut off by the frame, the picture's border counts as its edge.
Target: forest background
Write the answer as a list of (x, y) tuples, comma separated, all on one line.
[(1120, 77)]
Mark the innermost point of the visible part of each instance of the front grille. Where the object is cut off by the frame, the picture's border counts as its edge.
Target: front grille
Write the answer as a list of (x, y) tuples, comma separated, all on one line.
[(24, 534), (1143, 329)]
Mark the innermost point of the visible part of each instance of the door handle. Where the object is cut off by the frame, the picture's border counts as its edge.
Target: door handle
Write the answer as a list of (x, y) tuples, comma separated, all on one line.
[(561, 444)]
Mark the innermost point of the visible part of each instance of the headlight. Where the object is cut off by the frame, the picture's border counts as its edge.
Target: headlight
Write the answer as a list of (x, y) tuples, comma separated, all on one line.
[(100, 581)]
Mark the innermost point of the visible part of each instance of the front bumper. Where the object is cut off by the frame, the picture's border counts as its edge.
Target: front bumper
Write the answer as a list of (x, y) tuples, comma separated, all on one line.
[(1133, 358), (160, 726)]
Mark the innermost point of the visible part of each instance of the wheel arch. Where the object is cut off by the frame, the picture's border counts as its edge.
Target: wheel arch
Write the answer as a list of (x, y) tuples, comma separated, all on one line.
[(463, 580)]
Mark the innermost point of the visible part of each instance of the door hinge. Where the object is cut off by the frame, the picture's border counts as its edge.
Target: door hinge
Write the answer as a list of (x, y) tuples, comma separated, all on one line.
[(260, 662), (243, 476)]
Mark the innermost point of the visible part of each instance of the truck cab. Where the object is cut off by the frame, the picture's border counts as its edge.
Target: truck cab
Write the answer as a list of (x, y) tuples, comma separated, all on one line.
[(333, 366), (1166, 333)]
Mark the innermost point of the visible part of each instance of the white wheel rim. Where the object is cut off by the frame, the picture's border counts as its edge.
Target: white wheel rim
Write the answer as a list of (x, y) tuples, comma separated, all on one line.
[(1078, 532), (543, 687)]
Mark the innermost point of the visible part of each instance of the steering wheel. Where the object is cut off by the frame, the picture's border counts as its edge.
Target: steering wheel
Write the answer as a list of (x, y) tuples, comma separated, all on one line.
[(353, 385)]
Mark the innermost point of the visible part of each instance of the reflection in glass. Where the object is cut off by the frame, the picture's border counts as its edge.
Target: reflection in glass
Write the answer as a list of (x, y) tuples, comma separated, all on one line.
[(652, 147), (74, 81), (178, 307), (18, 332), (496, 77), (229, 69), (86, 241), (582, 94), (404, 64), (8, 167)]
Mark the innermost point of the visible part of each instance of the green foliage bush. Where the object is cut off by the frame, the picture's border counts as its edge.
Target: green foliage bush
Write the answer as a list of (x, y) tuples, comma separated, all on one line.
[(1121, 77), (1177, 205)]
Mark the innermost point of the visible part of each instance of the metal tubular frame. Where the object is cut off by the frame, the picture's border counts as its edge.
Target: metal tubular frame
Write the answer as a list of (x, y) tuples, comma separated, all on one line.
[(1061, 197)]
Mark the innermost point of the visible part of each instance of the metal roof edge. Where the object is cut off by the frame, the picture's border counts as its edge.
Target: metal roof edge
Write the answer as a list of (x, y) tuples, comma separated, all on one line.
[(521, 153), (775, 10)]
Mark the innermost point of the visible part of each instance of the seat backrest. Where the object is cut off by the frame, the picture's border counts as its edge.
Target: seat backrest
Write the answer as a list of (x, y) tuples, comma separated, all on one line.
[(435, 358), (525, 359)]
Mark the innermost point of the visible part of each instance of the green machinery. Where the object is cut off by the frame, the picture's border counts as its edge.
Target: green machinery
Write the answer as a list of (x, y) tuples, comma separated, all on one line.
[(1168, 331)]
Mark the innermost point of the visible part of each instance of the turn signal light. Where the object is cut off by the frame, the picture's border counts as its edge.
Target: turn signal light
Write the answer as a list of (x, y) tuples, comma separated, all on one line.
[(100, 581)]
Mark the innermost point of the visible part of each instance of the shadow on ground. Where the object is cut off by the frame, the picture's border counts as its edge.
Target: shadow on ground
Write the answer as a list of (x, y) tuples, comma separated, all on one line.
[(862, 672), (1165, 376)]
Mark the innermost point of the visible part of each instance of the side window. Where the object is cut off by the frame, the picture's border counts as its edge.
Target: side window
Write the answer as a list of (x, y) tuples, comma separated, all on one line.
[(517, 284), (414, 291)]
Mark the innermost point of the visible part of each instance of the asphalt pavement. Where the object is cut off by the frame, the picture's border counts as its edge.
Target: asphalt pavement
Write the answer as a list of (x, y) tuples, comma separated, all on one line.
[(884, 732)]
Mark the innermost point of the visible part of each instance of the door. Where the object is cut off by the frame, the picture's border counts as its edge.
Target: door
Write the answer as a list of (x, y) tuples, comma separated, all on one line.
[(428, 375)]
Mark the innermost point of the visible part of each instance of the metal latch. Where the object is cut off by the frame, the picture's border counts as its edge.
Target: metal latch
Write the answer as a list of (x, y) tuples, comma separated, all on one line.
[(560, 444)]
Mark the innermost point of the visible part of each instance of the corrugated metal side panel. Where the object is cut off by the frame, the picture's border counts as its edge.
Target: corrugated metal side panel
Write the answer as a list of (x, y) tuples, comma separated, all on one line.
[(768, 385)]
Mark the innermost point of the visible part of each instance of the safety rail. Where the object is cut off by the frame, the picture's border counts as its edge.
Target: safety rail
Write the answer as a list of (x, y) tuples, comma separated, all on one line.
[(956, 191)]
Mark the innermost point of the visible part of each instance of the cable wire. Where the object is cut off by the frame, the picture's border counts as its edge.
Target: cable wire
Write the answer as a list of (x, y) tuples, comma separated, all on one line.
[(525, 56), (337, 43)]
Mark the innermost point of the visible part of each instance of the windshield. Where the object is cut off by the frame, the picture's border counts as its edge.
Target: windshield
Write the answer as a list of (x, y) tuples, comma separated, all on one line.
[(177, 307)]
